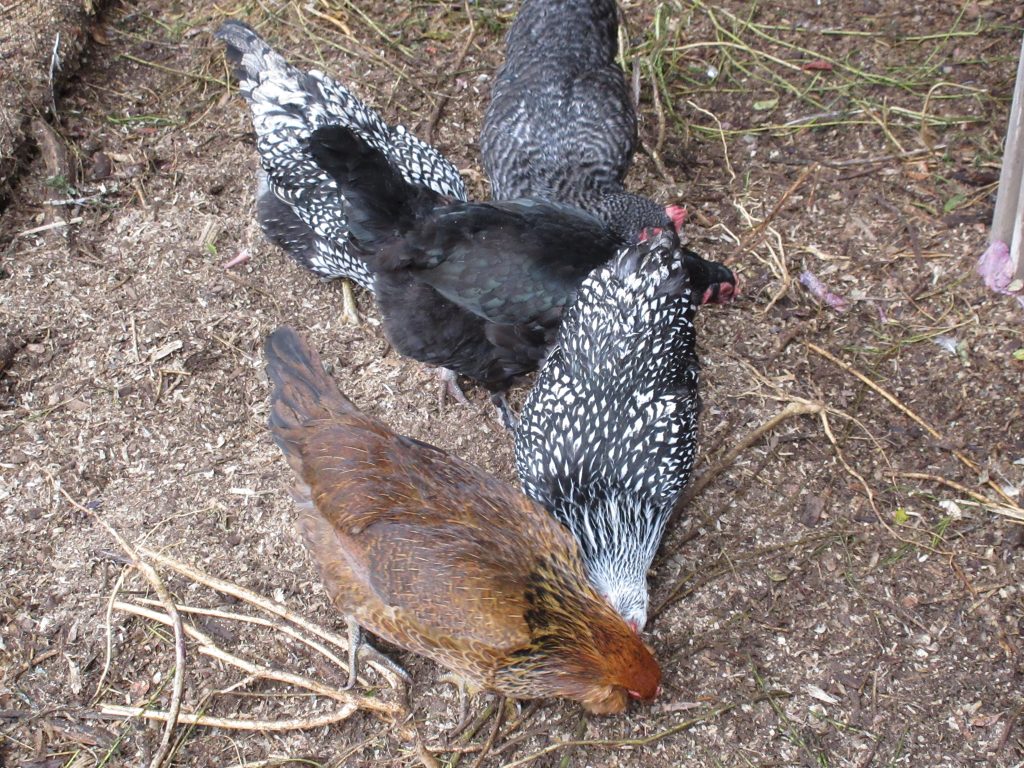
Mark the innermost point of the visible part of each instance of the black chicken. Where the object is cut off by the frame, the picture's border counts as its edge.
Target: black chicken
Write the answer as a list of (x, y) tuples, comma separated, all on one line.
[(475, 287), (607, 438)]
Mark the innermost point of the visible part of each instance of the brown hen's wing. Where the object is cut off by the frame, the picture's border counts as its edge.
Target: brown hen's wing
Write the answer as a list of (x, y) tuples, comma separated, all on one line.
[(399, 523), (448, 548)]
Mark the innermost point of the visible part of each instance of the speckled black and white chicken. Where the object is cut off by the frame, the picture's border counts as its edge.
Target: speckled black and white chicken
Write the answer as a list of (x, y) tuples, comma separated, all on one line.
[(561, 123), (607, 437), (298, 203)]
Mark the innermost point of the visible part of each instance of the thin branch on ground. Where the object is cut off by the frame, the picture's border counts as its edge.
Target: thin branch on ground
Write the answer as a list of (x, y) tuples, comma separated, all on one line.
[(174, 620), (795, 408), (233, 723), (269, 606), (892, 399), (108, 651), (489, 743), (981, 500), (754, 238), (208, 647), (442, 102), (644, 741), (276, 626)]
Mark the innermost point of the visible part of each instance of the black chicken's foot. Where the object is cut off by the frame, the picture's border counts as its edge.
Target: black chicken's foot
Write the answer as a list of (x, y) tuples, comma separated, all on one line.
[(449, 387), (505, 415), (349, 310), (358, 646)]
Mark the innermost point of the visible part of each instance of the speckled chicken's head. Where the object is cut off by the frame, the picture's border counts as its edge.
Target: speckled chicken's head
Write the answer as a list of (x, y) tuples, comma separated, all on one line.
[(630, 600)]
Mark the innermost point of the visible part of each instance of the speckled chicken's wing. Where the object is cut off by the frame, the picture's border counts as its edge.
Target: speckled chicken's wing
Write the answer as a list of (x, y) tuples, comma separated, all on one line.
[(300, 207)]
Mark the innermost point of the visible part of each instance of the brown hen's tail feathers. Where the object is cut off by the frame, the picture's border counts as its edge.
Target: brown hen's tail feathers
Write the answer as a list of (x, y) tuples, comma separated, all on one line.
[(303, 392)]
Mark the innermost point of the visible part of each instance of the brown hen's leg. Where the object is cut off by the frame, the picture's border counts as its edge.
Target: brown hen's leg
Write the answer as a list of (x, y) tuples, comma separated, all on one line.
[(449, 387), (349, 311), (460, 685), (356, 645)]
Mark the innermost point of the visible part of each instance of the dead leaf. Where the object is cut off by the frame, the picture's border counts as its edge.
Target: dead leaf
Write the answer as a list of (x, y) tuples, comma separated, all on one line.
[(164, 350)]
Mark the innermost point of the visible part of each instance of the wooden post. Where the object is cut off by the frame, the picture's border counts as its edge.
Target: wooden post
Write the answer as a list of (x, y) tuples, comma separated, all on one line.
[(1008, 220)]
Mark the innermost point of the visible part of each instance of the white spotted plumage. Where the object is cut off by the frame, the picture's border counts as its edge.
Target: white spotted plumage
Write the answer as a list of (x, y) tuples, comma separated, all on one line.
[(300, 206), (607, 437)]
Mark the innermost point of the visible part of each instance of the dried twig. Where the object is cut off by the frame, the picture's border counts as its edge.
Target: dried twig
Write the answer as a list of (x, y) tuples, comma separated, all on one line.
[(795, 408), (208, 648), (233, 723), (754, 238), (1009, 512), (685, 725), (960, 455), (655, 152), (109, 649), (276, 626), (498, 718), (263, 604), (174, 619), (435, 116)]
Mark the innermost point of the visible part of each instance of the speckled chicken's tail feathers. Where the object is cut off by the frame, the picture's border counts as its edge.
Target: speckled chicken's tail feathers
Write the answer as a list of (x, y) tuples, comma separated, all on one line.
[(249, 54), (303, 392)]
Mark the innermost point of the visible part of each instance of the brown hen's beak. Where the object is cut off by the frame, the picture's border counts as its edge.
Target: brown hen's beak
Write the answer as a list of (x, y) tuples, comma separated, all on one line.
[(641, 697)]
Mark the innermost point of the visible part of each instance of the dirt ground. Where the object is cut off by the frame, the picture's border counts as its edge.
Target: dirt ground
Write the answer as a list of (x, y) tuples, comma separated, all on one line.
[(847, 593)]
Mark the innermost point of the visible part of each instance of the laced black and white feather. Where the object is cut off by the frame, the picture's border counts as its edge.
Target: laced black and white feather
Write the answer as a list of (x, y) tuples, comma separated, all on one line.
[(299, 204), (561, 123), (607, 438)]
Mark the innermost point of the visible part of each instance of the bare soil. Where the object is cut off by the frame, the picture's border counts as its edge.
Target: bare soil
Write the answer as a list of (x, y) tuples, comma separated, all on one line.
[(847, 593)]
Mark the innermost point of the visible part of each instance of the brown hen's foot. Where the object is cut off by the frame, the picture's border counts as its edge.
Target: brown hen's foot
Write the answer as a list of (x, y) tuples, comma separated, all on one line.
[(449, 387), (349, 311), (464, 696), (358, 646)]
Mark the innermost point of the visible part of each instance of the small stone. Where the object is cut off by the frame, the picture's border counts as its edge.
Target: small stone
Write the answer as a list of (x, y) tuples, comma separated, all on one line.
[(101, 167)]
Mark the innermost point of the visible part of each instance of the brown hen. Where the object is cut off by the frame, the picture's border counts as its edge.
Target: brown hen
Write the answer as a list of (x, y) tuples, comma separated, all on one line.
[(440, 558)]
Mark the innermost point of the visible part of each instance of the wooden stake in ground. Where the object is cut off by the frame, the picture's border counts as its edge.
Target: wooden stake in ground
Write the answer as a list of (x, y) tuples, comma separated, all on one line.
[(1008, 220)]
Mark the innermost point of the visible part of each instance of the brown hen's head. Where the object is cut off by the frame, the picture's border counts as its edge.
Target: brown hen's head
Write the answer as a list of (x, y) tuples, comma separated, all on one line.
[(625, 669), (581, 644)]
